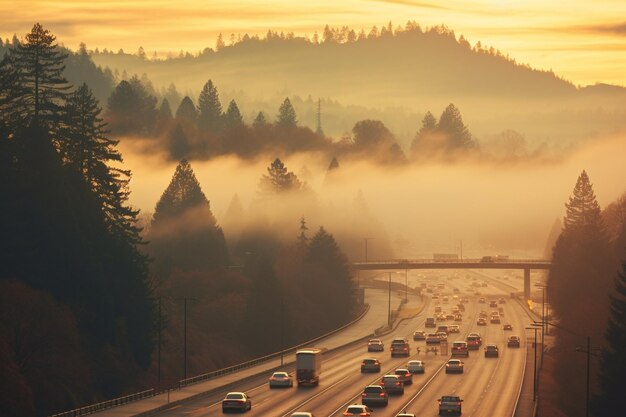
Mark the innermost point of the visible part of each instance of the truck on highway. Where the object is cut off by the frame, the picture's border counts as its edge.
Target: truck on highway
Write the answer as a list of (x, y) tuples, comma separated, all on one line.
[(308, 366)]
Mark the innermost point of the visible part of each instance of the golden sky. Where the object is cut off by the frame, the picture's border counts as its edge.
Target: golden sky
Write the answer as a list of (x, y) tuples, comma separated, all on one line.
[(584, 41)]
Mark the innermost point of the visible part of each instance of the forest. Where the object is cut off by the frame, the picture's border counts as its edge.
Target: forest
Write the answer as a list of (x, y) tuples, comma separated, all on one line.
[(72, 252)]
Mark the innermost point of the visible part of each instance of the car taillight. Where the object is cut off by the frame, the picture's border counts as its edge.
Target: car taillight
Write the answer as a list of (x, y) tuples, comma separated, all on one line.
[(407, 374), (364, 395), (398, 383)]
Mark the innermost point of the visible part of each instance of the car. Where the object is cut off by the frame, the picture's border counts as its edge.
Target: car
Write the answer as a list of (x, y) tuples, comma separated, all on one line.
[(454, 366), (493, 303), (449, 316), (481, 300), (430, 322), (491, 351), (400, 347), (513, 341), (374, 395), (507, 326), (454, 328), (438, 309), (461, 307), (501, 311), (473, 342), (302, 414), (392, 384), (419, 335), (483, 314), (459, 348), (442, 335), (442, 328), (416, 367), (357, 410), (405, 376), (441, 317), (481, 322), (238, 401), (370, 365), (403, 414), (458, 317), (495, 320), (450, 404), (281, 379), (375, 345), (433, 339), (501, 300)]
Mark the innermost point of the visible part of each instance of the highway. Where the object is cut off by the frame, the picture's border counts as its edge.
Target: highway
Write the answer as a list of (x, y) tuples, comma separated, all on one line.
[(489, 386)]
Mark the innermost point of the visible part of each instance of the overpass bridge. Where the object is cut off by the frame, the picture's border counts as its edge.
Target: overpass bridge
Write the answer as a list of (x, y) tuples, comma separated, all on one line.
[(482, 263)]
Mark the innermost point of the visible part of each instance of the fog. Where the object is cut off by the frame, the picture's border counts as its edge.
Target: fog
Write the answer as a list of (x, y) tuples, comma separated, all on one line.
[(490, 207)]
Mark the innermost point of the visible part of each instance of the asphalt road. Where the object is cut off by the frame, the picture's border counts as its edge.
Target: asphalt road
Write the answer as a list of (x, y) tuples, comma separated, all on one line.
[(489, 386)]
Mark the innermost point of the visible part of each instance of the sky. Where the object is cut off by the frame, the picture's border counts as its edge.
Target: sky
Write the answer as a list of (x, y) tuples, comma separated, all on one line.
[(582, 41)]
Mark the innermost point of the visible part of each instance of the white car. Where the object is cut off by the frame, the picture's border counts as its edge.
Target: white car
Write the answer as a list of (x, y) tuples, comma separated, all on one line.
[(415, 367), (454, 366), (302, 414), (281, 379)]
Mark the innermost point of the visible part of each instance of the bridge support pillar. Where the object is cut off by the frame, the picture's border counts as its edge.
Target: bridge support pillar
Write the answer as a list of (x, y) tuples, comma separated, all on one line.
[(526, 284)]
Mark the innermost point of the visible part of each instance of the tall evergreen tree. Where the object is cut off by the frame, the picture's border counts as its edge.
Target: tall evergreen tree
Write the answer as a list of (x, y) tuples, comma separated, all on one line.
[(187, 112), (131, 108), (179, 146), (610, 401), (232, 117), (302, 237), (583, 210), (259, 121), (184, 234), (210, 108), (40, 64), (164, 116), (451, 124), (278, 180), (287, 115)]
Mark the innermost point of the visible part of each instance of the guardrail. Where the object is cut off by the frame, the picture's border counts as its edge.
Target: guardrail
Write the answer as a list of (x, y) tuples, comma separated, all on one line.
[(105, 405), (200, 378), (456, 261)]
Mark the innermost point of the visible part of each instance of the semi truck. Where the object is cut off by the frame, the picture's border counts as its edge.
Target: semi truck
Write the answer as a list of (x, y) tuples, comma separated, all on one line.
[(308, 366)]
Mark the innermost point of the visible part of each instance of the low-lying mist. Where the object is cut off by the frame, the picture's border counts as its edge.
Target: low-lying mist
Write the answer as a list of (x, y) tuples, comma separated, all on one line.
[(419, 209)]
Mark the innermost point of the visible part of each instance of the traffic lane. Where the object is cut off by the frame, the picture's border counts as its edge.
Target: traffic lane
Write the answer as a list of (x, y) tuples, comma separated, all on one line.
[(475, 387)]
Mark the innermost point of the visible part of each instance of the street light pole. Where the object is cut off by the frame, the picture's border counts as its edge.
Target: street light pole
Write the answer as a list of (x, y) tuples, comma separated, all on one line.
[(406, 285), (588, 362), (389, 308), (535, 366)]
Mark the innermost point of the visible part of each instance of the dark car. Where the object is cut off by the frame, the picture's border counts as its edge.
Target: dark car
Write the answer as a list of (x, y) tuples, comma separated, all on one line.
[(370, 365), (375, 345), (513, 341), (450, 404), (507, 327), (406, 377), (237, 401), (374, 395), (419, 335), (491, 351), (392, 384)]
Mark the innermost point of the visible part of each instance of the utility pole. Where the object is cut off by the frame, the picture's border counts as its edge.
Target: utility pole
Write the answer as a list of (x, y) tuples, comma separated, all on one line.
[(588, 366), (159, 348), (535, 362), (185, 341), (389, 308), (406, 285)]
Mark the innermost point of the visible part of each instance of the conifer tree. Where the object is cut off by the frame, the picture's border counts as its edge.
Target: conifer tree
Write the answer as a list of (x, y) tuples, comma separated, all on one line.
[(278, 180), (610, 401), (287, 115), (40, 65), (582, 209), (187, 112), (451, 124), (210, 108), (232, 117), (164, 115), (184, 233), (259, 121), (178, 143), (302, 237)]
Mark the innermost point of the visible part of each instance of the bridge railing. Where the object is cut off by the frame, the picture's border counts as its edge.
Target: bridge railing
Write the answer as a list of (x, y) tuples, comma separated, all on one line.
[(456, 261), (105, 405)]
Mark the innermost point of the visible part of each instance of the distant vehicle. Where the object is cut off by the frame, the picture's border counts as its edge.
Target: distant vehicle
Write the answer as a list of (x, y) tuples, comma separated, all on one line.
[(238, 401), (308, 366), (392, 384), (454, 366), (461, 306), (416, 367), (374, 395), (507, 327), (435, 297), (405, 415), (441, 317), (488, 259), (445, 299), (501, 300), (449, 316), (302, 414), (493, 303), (459, 348), (513, 341), (495, 320), (443, 257), (442, 335), (454, 328), (433, 339), (400, 347), (481, 322), (481, 300), (491, 351), (375, 345), (357, 410), (450, 404), (280, 379), (419, 335), (405, 376), (430, 322), (370, 365), (458, 317), (483, 314), (473, 342), (442, 328), (438, 309), (456, 290)]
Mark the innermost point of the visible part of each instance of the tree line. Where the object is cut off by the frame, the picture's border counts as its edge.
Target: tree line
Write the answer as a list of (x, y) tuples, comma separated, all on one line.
[(586, 288), (83, 307)]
